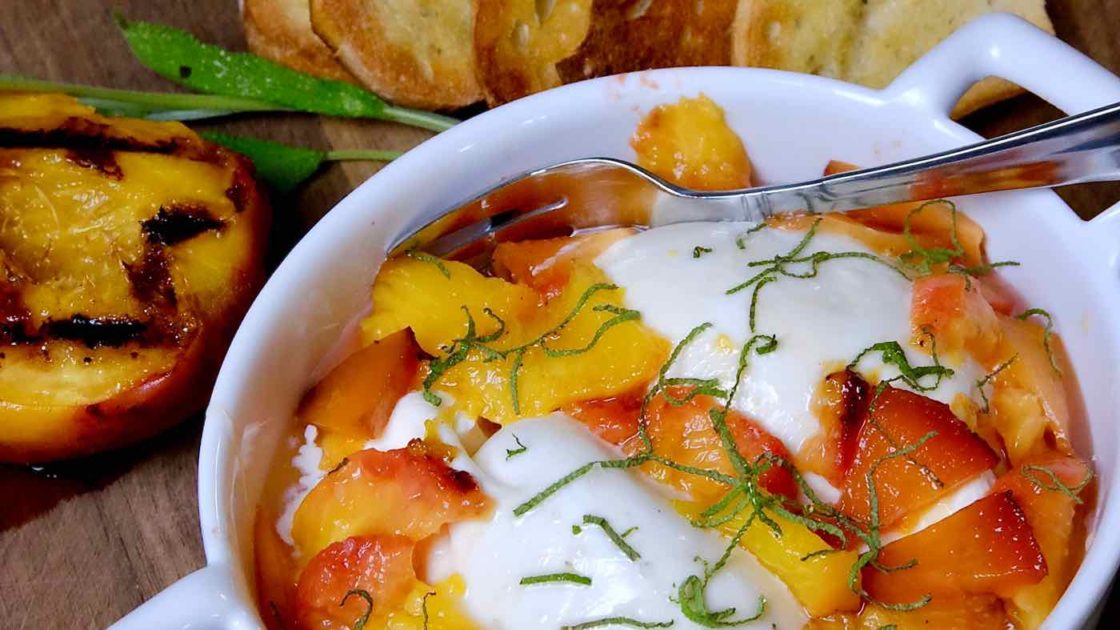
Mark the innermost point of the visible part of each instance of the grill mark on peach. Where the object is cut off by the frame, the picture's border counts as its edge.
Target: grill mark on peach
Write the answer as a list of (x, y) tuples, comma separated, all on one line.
[(178, 223), (112, 331), (241, 189), (150, 278), (15, 317), (463, 481), (101, 160), (79, 133), (853, 403)]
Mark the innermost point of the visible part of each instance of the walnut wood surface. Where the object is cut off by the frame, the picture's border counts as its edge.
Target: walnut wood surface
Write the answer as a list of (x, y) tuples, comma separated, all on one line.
[(83, 543)]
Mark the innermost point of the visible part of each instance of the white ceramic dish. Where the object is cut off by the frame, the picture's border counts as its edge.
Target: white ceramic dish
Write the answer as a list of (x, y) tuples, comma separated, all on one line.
[(792, 125)]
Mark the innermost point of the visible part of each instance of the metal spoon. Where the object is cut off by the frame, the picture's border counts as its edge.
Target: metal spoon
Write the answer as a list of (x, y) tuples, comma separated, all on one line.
[(597, 192)]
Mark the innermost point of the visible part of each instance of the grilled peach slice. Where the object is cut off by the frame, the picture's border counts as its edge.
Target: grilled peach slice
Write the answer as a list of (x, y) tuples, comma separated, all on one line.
[(613, 419), (1040, 486), (581, 344), (547, 265), (932, 226), (899, 419), (357, 397), (818, 580), (334, 586), (408, 492), (129, 251), (952, 308), (840, 403), (974, 613), (689, 143), (276, 571), (1030, 404), (986, 548), (684, 434)]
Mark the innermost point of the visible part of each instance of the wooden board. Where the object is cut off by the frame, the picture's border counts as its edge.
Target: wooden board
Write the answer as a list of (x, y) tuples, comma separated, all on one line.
[(84, 543)]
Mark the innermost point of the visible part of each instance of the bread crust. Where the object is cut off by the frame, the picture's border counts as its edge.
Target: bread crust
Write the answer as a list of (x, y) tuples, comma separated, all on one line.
[(280, 30), (415, 53), (647, 34), (865, 42), (517, 49)]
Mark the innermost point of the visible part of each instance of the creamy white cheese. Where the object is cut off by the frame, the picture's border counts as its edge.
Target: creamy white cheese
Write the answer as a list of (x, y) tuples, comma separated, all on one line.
[(821, 323), (409, 421), (493, 556), (820, 486), (406, 423), (306, 461)]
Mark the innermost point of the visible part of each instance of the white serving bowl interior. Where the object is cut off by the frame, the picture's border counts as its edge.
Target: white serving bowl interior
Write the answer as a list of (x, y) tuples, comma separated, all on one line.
[(792, 126)]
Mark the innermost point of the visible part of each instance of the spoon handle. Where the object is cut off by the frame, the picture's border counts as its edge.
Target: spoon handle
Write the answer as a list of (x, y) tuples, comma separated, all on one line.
[(1072, 150)]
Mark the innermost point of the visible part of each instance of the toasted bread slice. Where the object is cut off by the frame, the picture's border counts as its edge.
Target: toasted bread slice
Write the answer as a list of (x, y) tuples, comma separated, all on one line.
[(644, 34), (280, 30), (865, 41), (519, 42), (417, 53), (128, 252), (797, 35)]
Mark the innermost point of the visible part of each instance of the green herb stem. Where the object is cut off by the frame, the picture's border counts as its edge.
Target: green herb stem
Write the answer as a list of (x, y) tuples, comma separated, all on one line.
[(364, 618), (417, 118), (143, 103), (514, 452), (551, 578), (614, 536), (459, 350), (893, 354), (361, 155), (285, 167), (618, 621), (1047, 333), (988, 378), (1032, 472)]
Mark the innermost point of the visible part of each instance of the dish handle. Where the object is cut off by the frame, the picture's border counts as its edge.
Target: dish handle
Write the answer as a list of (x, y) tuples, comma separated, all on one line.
[(1009, 47), (203, 600)]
